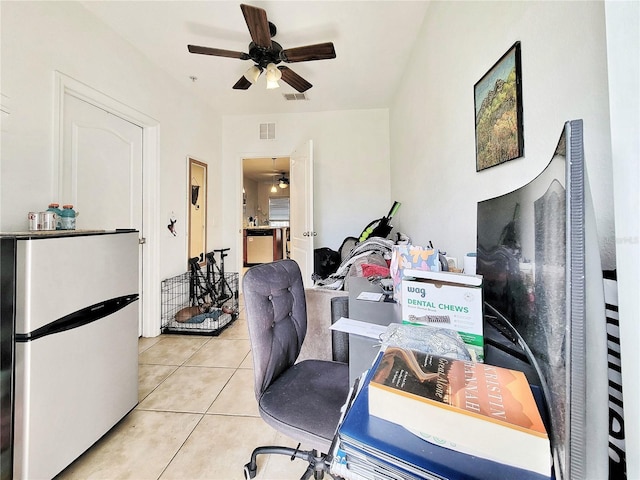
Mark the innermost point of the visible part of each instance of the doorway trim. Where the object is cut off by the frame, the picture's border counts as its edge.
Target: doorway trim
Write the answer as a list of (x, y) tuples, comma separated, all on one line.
[(150, 295)]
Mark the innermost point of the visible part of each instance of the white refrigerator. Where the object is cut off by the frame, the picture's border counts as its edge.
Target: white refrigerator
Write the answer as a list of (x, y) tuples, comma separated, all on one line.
[(76, 343)]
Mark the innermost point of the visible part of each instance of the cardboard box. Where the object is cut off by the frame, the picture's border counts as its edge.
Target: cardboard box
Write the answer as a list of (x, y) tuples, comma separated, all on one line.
[(446, 300)]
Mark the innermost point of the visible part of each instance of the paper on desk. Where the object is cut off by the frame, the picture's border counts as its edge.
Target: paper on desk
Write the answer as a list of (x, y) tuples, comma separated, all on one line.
[(364, 329), (370, 296)]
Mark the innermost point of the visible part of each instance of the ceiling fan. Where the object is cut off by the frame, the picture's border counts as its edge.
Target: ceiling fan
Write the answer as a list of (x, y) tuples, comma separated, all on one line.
[(266, 54), (283, 181)]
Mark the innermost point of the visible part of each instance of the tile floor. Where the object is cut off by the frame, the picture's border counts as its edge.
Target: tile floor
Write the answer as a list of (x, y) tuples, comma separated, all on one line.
[(197, 417)]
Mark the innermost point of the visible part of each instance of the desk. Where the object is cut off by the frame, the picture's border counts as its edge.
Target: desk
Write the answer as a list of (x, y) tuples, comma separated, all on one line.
[(388, 442), (362, 351), (369, 447)]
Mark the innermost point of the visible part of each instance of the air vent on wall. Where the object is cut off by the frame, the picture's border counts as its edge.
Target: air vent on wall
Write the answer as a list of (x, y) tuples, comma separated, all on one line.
[(295, 96), (267, 131)]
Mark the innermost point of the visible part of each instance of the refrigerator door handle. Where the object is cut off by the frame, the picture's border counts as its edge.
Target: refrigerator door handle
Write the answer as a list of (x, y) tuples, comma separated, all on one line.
[(80, 318)]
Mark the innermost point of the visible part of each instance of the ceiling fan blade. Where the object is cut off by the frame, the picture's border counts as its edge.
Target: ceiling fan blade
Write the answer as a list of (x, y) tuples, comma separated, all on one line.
[(258, 25), (218, 52), (320, 51), (295, 80), (242, 84)]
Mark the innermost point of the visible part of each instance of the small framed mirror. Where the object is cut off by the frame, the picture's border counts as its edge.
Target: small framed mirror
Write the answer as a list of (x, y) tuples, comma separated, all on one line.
[(197, 193)]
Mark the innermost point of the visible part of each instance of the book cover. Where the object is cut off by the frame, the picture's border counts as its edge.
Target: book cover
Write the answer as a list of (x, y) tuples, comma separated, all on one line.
[(471, 407)]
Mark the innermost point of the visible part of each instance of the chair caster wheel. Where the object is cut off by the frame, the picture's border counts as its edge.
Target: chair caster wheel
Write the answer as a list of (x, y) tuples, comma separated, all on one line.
[(249, 472)]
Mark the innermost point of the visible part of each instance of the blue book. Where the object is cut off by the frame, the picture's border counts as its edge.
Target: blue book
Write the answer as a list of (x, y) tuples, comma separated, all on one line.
[(391, 443)]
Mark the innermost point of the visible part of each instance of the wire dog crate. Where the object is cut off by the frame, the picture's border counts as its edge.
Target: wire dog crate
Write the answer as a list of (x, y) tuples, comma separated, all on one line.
[(182, 312)]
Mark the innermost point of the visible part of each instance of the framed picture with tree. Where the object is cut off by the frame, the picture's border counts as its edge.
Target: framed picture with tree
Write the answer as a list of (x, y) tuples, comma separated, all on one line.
[(498, 111)]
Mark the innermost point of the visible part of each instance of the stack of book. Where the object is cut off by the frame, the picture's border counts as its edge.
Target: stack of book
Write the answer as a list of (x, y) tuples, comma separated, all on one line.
[(387, 437)]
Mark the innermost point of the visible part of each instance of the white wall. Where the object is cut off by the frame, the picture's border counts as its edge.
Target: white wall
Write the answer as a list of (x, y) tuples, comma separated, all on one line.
[(564, 77), (40, 37), (351, 168)]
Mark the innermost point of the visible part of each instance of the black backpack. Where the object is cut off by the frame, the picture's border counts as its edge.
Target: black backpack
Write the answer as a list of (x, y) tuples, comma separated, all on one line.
[(325, 262)]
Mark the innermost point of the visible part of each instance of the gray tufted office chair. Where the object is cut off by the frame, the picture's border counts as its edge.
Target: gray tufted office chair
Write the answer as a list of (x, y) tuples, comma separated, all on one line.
[(301, 400)]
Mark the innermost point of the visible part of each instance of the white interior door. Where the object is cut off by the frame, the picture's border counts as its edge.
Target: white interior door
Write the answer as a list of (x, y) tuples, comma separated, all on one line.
[(301, 209), (101, 170), (102, 167)]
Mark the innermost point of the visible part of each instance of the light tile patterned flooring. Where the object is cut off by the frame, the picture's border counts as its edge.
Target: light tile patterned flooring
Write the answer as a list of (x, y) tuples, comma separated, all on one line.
[(197, 417)]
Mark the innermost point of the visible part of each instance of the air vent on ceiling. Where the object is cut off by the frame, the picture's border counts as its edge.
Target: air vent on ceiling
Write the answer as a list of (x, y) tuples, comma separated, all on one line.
[(267, 131), (295, 96)]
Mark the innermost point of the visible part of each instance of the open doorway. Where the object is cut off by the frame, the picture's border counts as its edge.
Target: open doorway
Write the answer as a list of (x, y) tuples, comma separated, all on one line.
[(299, 237), (265, 209)]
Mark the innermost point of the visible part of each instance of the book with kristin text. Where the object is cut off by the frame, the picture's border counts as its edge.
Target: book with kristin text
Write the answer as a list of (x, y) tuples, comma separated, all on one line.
[(470, 407)]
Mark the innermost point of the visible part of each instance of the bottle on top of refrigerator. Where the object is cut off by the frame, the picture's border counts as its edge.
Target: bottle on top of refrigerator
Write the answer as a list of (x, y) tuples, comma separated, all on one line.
[(55, 208), (68, 217)]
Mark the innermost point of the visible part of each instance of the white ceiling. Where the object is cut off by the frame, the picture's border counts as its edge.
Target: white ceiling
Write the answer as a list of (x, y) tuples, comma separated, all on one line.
[(372, 39)]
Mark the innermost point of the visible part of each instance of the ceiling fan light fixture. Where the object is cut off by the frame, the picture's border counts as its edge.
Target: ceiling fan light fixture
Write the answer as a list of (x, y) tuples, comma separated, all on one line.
[(283, 182), (273, 75), (271, 84), (263, 49), (253, 73), (273, 70)]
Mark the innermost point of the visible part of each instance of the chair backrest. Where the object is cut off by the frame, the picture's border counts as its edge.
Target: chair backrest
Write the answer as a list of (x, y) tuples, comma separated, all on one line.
[(276, 313)]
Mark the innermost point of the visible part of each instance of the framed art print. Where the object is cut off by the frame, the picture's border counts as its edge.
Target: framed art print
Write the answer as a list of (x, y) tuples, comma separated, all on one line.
[(498, 109)]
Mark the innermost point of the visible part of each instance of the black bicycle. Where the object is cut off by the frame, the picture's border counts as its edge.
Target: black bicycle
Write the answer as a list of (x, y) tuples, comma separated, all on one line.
[(201, 292), (216, 277)]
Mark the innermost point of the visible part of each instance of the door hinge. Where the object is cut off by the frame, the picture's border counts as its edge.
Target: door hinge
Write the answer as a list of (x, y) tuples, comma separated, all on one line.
[(142, 241)]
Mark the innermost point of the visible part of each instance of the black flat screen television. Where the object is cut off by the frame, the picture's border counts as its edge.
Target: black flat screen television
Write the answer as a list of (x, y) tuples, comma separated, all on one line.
[(538, 253)]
